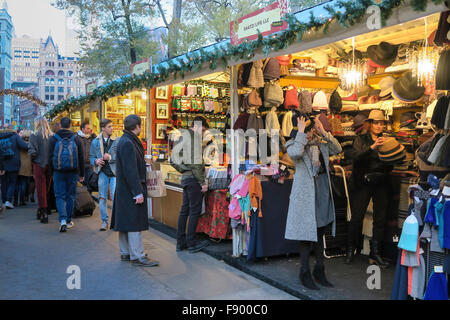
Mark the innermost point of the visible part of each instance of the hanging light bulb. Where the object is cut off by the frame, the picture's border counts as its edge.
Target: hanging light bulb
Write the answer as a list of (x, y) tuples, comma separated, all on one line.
[(352, 74)]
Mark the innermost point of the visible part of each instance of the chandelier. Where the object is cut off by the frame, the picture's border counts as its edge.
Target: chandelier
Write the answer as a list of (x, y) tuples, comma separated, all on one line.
[(423, 62), (352, 74)]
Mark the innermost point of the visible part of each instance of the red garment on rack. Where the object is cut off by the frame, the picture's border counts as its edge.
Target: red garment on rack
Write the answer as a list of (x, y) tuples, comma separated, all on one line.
[(216, 222)]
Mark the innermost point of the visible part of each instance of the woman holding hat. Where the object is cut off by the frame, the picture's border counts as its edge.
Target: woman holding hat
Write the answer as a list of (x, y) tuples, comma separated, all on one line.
[(367, 181), (311, 207)]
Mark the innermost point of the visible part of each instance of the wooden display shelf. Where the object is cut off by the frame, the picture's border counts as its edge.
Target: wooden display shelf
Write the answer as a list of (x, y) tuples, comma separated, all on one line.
[(310, 82), (374, 79)]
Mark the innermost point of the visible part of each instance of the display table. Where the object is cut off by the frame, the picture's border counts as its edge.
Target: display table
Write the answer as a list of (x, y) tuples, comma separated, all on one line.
[(267, 233), (216, 222)]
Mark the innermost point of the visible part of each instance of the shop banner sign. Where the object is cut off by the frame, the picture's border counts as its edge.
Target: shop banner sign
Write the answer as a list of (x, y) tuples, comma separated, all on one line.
[(267, 20), (140, 67), (90, 87)]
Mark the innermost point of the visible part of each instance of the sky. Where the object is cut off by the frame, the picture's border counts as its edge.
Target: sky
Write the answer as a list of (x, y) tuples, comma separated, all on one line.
[(36, 18)]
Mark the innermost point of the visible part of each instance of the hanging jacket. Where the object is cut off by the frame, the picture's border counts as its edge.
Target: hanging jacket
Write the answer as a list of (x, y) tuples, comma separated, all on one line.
[(255, 192)]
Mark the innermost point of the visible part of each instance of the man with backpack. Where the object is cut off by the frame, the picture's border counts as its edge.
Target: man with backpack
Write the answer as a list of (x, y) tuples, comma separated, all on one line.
[(10, 146), (67, 164), (86, 138)]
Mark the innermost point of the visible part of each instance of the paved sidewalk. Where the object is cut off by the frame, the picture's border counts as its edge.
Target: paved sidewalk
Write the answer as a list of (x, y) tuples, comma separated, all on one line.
[(34, 258)]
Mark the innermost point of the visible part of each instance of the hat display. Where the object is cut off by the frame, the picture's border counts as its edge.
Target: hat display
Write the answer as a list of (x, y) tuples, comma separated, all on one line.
[(366, 90), (291, 98), (405, 89), (335, 103), (321, 59), (440, 112), (391, 150), (383, 54), (348, 56), (325, 122), (408, 120), (410, 234), (376, 115), (386, 86), (443, 66), (320, 101)]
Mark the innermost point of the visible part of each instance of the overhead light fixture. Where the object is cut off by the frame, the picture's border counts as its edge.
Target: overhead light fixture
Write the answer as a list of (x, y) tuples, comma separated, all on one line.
[(423, 62), (352, 74)]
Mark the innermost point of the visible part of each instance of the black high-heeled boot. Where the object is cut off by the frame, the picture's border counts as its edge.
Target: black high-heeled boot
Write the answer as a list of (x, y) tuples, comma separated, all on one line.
[(44, 217), (375, 255), (319, 276), (39, 213), (307, 280), (350, 254)]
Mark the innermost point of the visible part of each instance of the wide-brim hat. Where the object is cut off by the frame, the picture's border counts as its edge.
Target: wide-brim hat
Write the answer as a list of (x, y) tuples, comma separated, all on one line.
[(386, 85), (405, 89), (366, 90), (383, 54), (348, 56), (391, 150), (376, 115)]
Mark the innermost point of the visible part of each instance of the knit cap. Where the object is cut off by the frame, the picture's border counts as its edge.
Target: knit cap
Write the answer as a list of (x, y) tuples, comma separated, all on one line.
[(410, 234), (236, 183), (320, 101), (437, 287)]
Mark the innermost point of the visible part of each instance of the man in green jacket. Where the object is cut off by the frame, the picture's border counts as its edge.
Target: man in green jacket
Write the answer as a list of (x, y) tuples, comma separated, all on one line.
[(194, 185)]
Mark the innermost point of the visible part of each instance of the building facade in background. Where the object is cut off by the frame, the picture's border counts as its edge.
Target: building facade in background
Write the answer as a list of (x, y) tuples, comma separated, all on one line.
[(59, 77), (25, 65), (24, 110), (6, 29)]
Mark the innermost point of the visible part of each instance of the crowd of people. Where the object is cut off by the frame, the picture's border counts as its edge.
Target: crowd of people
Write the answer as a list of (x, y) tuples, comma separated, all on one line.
[(52, 162)]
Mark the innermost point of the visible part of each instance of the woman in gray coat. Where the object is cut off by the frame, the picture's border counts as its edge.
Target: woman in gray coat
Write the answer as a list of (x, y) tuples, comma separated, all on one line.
[(311, 207)]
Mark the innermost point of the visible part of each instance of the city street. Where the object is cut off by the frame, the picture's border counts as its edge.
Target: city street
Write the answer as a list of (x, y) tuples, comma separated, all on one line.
[(35, 257)]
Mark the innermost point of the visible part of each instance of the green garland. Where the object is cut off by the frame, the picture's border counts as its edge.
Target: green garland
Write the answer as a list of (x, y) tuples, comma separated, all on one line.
[(351, 12)]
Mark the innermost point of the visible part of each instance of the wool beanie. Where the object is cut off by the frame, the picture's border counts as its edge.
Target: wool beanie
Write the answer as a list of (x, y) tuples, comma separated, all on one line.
[(437, 287), (410, 234), (325, 123), (305, 101), (320, 101), (291, 98), (272, 69), (246, 73), (256, 78), (335, 102)]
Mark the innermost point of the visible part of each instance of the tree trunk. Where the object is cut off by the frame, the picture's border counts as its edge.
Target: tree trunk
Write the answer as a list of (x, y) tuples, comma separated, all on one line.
[(130, 32), (173, 28)]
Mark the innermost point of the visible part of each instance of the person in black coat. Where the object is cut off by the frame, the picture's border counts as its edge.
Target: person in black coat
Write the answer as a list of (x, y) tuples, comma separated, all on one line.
[(130, 211), (10, 164), (366, 163)]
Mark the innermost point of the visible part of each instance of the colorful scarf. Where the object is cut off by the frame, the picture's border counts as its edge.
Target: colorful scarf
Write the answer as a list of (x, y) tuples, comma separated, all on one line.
[(313, 150)]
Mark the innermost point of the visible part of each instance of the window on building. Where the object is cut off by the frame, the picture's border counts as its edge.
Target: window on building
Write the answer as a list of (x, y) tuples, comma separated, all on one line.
[(60, 98), (26, 57), (60, 73), (70, 73), (52, 89), (61, 89), (69, 89), (49, 73), (26, 51), (35, 52), (47, 89), (34, 57), (47, 80), (47, 97), (52, 97), (52, 81), (70, 82), (60, 81)]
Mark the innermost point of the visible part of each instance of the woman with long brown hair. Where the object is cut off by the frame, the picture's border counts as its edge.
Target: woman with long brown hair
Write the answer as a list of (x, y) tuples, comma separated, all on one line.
[(39, 144)]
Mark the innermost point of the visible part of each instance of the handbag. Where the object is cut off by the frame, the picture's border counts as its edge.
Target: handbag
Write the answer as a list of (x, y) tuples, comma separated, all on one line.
[(374, 178), (156, 188), (92, 181)]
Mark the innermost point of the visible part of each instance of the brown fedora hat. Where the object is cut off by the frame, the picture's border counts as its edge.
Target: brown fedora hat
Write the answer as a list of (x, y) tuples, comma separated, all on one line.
[(405, 89), (383, 54), (391, 150)]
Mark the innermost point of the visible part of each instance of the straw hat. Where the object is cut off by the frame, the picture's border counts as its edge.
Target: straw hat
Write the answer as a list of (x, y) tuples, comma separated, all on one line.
[(376, 115), (391, 150)]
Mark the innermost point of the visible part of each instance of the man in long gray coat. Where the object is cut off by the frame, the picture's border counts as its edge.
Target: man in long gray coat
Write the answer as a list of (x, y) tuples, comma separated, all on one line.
[(130, 212)]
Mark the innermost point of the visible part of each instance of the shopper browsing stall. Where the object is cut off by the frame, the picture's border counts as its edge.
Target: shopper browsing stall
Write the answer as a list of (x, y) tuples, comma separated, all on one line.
[(368, 181), (311, 207)]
